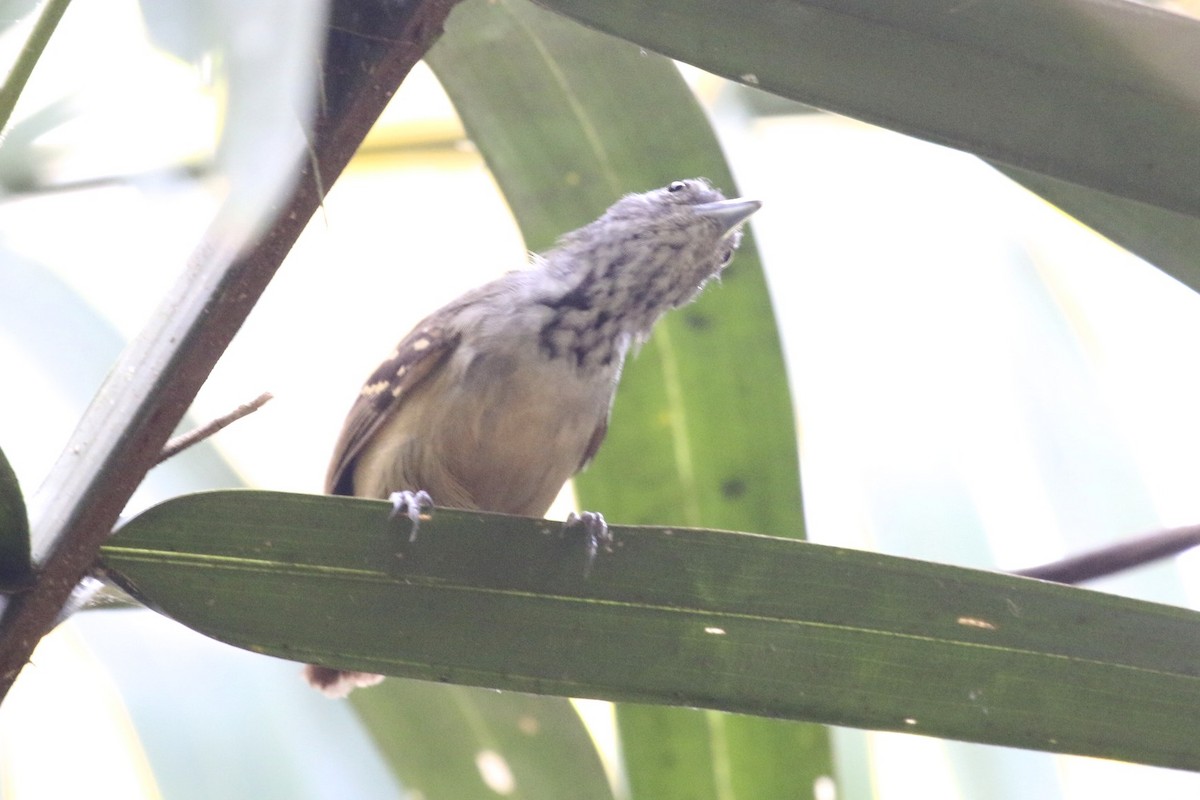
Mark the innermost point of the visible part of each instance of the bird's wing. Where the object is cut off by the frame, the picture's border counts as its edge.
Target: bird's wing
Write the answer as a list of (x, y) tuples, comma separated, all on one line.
[(417, 355), (594, 443)]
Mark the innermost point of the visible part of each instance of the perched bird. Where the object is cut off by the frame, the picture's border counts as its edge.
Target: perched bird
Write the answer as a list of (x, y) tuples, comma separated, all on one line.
[(495, 400)]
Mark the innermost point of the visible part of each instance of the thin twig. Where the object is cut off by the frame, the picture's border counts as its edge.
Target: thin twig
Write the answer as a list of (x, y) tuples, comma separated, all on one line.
[(27, 58), (1117, 557), (183, 441)]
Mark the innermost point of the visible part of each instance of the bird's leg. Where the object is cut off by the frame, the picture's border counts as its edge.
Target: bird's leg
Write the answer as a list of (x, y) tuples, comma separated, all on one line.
[(410, 504), (595, 529)]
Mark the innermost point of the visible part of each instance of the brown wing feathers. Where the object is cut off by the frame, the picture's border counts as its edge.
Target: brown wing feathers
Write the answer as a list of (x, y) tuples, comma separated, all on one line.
[(414, 358)]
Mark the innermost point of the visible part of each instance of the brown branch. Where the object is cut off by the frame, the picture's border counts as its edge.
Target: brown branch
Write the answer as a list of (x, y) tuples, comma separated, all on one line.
[(147, 392), (196, 435), (1117, 557)]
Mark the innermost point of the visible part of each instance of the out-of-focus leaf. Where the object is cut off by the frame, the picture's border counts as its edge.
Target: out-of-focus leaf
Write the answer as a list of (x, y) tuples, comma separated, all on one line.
[(462, 742), (574, 120), (1103, 94), (75, 345), (712, 619), (13, 11), (268, 56), (22, 161), (1166, 239), (694, 753), (16, 568)]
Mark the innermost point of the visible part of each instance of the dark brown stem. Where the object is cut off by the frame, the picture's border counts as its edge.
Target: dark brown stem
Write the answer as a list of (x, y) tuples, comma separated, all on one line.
[(196, 435), (1117, 557), (371, 47)]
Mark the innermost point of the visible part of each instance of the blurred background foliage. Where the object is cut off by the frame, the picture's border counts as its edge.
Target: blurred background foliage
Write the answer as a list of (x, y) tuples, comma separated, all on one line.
[(978, 380)]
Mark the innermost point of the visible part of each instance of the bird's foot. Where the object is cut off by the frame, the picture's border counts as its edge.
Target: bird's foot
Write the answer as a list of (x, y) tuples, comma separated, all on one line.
[(410, 505), (596, 531)]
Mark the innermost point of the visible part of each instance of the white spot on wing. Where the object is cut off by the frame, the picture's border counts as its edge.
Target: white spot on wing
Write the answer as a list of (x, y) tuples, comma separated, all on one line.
[(372, 389)]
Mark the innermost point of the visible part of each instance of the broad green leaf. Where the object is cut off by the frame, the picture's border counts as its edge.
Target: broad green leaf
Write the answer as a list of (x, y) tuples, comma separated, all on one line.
[(461, 742), (693, 753), (1103, 94), (574, 120), (16, 568), (710, 619)]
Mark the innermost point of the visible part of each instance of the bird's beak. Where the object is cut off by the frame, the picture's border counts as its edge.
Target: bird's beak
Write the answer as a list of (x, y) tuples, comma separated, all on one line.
[(730, 213)]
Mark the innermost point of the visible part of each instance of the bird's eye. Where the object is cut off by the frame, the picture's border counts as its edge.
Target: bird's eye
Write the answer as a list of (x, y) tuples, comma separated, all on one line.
[(677, 186)]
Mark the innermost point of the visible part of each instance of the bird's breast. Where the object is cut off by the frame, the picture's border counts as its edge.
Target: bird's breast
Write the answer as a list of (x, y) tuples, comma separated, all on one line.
[(520, 427)]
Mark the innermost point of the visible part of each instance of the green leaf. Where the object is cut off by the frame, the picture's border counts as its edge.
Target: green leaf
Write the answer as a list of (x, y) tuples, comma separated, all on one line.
[(711, 619), (16, 566), (574, 120), (461, 742), (693, 753), (1105, 95)]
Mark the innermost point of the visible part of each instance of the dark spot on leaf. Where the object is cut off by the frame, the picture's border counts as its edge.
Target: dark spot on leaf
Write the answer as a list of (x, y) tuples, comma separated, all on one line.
[(697, 321), (733, 488)]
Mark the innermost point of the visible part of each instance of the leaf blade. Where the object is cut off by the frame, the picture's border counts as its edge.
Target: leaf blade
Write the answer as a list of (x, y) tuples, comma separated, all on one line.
[(1106, 91), (743, 623), (461, 742)]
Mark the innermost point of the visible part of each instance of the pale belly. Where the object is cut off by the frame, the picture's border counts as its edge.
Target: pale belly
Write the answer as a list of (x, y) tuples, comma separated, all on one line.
[(502, 436)]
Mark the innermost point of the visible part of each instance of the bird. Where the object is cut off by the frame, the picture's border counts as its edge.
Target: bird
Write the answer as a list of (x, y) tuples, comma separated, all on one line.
[(495, 400)]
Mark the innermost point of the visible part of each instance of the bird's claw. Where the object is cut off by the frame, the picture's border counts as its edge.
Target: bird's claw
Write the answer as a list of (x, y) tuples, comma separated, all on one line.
[(410, 505), (597, 533)]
